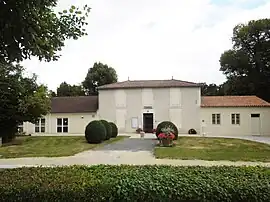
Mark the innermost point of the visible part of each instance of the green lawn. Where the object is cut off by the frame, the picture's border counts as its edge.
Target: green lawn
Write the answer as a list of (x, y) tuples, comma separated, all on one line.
[(215, 149), (48, 146)]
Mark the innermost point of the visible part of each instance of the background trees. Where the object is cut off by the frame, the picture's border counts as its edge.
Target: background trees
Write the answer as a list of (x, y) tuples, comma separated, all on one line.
[(100, 74), (247, 64), (70, 90)]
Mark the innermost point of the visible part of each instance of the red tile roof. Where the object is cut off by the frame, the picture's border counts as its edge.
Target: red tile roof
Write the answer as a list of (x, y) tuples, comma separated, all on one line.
[(149, 84), (79, 104), (233, 101)]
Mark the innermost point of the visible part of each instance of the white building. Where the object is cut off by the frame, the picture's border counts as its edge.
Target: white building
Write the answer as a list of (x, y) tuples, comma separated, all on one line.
[(145, 103)]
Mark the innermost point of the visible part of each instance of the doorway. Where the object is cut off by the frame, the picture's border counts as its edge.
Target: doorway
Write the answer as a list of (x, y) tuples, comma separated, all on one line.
[(148, 122), (255, 124)]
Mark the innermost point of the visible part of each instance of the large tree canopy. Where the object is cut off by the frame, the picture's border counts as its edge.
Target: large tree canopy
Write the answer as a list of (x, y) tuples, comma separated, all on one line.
[(32, 28), (100, 74), (66, 89), (21, 98), (247, 64)]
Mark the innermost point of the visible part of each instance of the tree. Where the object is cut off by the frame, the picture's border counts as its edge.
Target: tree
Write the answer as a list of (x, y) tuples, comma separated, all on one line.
[(32, 28), (212, 89), (247, 64), (69, 90), (21, 98), (99, 75)]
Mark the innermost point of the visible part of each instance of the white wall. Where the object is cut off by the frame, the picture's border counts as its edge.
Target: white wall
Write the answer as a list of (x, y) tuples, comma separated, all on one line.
[(76, 122), (179, 105), (227, 128)]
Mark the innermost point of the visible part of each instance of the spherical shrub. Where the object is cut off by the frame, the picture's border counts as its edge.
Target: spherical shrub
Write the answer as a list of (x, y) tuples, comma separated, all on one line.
[(108, 129), (192, 131), (95, 132), (114, 129), (165, 124)]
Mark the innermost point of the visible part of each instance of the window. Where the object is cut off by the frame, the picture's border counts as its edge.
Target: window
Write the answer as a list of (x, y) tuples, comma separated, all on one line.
[(62, 125), (20, 128), (235, 119), (255, 115), (216, 119), (40, 126)]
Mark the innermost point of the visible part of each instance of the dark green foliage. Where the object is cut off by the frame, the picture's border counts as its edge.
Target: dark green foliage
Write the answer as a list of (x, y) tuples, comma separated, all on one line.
[(95, 132), (66, 89), (22, 99), (32, 28), (98, 75), (135, 183), (114, 129), (165, 124), (192, 131), (246, 65), (108, 129)]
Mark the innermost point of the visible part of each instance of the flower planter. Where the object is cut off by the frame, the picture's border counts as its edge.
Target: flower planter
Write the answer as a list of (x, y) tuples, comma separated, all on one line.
[(166, 142)]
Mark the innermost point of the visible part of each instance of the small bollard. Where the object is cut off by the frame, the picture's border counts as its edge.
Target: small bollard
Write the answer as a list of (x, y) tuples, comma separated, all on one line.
[(0, 141)]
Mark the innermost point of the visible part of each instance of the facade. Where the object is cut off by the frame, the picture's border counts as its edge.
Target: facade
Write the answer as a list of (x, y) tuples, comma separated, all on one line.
[(146, 103), (235, 115), (130, 105)]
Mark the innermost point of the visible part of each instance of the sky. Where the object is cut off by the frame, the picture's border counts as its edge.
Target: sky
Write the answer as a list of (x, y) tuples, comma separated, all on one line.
[(151, 39)]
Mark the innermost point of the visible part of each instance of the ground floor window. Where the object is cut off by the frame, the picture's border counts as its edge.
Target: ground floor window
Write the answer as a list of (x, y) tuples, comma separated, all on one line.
[(62, 125), (215, 118), (235, 119), (40, 125), (20, 128)]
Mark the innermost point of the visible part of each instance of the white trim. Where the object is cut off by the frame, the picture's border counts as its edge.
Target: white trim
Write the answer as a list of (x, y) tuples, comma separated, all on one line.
[(150, 111)]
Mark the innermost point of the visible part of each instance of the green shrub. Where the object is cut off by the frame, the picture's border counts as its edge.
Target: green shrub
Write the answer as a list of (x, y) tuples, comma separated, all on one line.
[(165, 124), (135, 183), (95, 132), (114, 129), (108, 129), (192, 131)]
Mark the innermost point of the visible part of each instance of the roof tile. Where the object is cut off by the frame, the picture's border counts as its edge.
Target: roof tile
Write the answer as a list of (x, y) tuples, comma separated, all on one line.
[(79, 104), (149, 84), (233, 101)]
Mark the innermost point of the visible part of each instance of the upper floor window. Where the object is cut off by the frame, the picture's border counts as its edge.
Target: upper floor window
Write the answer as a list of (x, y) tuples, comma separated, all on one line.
[(216, 119), (235, 119), (40, 125)]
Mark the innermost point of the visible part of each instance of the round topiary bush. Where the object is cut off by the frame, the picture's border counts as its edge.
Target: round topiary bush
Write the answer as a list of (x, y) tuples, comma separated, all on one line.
[(192, 131), (165, 124), (108, 129), (114, 129), (95, 132)]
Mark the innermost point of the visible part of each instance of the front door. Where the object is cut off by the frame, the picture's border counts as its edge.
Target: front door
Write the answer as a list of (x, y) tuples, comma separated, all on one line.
[(148, 122), (255, 124)]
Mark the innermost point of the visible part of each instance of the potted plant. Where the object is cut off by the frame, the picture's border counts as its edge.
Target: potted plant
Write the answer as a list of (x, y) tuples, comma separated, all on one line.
[(166, 137)]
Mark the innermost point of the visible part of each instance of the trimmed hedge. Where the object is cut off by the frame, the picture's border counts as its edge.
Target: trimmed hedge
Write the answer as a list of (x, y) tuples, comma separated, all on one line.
[(95, 132), (164, 124), (108, 129), (114, 129), (135, 183)]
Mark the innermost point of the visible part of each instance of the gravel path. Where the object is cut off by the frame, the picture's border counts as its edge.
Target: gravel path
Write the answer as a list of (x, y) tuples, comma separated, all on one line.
[(133, 151)]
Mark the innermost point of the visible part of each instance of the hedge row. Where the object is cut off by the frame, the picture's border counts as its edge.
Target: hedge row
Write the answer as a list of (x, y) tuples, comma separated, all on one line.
[(135, 183)]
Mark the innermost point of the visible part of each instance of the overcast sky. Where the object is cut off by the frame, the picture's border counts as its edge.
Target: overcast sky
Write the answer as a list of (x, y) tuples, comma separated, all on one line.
[(151, 39)]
